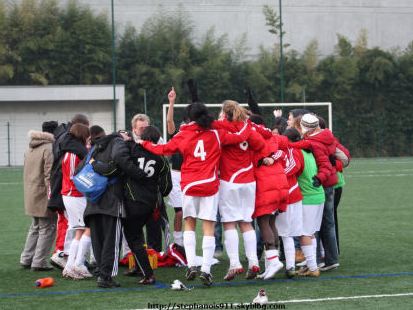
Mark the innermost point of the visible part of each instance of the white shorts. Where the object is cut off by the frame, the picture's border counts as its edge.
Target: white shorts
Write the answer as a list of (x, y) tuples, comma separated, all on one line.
[(75, 208), (236, 201), (312, 217), (175, 196), (290, 222), (203, 208)]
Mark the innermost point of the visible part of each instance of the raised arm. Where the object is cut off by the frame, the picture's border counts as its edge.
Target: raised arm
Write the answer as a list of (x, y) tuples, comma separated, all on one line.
[(170, 115)]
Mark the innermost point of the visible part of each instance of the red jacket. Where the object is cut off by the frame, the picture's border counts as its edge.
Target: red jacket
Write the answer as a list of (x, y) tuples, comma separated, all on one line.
[(236, 159), (323, 144), (272, 185), (294, 168), (201, 150)]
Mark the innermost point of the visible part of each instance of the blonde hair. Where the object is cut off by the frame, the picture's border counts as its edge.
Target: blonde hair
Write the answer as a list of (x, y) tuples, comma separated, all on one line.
[(140, 117), (233, 111)]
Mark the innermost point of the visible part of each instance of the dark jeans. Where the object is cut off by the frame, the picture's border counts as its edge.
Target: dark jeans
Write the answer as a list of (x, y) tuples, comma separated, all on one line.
[(327, 232), (337, 197), (218, 234)]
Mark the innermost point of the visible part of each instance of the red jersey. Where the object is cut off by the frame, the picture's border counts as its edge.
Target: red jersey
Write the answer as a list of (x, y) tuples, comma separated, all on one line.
[(236, 164), (293, 169), (69, 163), (201, 150)]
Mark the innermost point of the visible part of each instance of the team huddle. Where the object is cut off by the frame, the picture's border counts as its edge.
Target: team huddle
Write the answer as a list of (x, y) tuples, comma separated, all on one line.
[(271, 184)]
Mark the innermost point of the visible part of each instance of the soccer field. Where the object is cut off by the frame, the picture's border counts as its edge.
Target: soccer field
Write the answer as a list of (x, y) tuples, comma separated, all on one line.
[(376, 265)]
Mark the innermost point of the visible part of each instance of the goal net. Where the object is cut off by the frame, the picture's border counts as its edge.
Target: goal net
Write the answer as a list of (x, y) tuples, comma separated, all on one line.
[(323, 109)]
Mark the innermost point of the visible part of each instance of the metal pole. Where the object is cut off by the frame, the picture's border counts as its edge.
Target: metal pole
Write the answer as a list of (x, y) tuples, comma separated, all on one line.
[(8, 144), (144, 101), (281, 55), (113, 66)]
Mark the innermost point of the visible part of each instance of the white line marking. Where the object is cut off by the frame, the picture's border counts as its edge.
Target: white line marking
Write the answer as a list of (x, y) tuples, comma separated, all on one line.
[(11, 183), (297, 301), (378, 175), (380, 171), (339, 298)]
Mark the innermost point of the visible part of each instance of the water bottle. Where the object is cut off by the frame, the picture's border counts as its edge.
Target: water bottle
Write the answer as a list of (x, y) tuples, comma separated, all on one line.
[(44, 282)]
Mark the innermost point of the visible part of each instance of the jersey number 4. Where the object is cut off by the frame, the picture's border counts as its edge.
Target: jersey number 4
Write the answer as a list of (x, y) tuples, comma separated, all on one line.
[(148, 167), (200, 150)]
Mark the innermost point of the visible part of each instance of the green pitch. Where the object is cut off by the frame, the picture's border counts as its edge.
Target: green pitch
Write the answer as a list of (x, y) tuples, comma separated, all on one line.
[(376, 234)]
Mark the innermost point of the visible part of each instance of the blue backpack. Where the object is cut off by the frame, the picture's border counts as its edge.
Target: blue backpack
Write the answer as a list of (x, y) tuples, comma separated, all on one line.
[(89, 182)]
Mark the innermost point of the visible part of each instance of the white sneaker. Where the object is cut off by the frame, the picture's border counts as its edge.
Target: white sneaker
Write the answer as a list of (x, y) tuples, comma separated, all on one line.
[(82, 271), (330, 267), (272, 269), (321, 265), (261, 298), (302, 264), (58, 260), (69, 272)]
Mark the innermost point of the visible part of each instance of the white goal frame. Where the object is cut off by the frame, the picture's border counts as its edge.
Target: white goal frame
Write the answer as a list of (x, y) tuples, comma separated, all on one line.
[(275, 105)]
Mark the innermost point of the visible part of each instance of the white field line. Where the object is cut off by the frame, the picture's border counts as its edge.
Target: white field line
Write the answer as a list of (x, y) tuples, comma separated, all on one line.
[(377, 175), (297, 301), (11, 183), (339, 298), (380, 171)]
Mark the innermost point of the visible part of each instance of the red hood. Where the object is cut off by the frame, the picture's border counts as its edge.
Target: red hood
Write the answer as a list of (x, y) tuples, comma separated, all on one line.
[(225, 124), (325, 136)]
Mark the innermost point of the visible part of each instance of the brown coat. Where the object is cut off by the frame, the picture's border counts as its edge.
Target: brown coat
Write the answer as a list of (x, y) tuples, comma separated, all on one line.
[(38, 160)]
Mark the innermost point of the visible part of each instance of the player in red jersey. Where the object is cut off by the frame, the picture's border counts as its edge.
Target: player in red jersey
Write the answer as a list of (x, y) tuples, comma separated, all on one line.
[(200, 146), (75, 204), (237, 190)]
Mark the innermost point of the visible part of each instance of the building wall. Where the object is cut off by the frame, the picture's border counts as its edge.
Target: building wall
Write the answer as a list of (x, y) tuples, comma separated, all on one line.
[(26, 107), (389, 23), (24, 116)]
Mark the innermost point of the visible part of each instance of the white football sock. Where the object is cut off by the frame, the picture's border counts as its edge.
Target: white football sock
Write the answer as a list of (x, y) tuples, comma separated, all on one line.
[(314, 242), (250, 245), (208, 249), (74, 246), (289, 252), (84, 247), (179, 238), (231, 246), (310, 256), (190, 247), (272, 256)]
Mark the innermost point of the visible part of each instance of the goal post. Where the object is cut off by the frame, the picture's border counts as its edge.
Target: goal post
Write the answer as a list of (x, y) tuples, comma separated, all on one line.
[(264, 105)]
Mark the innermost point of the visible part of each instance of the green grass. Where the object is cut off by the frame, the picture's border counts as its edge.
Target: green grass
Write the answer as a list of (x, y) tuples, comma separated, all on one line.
[(375, 235)]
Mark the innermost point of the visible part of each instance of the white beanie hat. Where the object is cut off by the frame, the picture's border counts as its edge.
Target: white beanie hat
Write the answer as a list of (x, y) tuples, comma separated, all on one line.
[(308, 122)]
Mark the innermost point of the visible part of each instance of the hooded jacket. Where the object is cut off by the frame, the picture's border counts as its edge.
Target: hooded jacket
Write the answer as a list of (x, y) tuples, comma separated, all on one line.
[(38, 161), (272, 185), (112, 159), (323, 144), (143, 193)]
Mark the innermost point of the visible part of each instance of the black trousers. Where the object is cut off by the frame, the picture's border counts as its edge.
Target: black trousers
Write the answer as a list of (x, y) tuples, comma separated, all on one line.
[(106, 235), (133, 230), (154, 228), (154, 233)]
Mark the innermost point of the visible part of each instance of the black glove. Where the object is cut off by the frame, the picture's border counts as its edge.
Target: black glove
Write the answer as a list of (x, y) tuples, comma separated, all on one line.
[(332, 159), (316, 182)]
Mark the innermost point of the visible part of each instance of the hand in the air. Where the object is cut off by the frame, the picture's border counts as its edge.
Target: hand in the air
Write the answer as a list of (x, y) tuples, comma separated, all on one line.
[(172, 95)]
